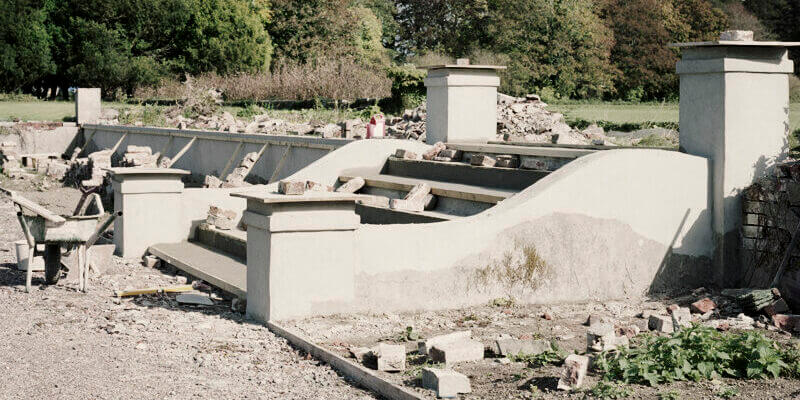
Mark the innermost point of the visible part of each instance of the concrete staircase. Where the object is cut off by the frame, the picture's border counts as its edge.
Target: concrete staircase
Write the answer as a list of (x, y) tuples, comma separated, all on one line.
[(219, 256)]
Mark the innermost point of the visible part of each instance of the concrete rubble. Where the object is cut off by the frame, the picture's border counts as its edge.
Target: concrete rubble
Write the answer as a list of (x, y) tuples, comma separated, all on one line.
[(416, 199), (456, 351), (139, 156), (573, 373), (221, 218), (424, 347), (508, 346), (445, 382), (387, 357)]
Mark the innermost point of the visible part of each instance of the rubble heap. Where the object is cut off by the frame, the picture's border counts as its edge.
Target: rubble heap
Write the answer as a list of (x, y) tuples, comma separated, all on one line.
[(519, 119), (10, 158), (139, 156), (236, 177)]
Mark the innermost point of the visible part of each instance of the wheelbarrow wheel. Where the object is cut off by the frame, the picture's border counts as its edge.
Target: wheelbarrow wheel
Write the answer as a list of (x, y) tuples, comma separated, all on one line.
[(52, 263)]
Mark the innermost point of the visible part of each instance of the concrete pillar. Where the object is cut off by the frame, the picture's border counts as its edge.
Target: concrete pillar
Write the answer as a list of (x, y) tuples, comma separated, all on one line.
[(87, 105), (461, 102), (734, 110), (152, 213), (300, 254)]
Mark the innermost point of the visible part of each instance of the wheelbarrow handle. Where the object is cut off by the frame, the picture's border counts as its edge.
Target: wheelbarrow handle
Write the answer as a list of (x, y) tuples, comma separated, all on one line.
[(26, 230), (102, 228)]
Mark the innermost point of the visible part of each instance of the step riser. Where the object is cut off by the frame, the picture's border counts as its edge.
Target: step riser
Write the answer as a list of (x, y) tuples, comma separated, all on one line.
[(216, 240), (459, 172), (447, 205), (383, 216)]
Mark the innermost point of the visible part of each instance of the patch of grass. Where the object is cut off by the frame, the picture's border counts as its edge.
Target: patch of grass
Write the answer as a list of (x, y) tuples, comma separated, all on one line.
[(727, 392), (521, 267), (669, 395), (416, 362), (656, 141), (554, 356), (698, 353), (250, 111), (503, 302)]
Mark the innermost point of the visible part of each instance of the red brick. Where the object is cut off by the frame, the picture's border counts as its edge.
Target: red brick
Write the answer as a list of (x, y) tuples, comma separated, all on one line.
[(703, 306)]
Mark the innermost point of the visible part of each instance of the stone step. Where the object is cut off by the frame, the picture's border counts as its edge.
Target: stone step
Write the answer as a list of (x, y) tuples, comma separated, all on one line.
[(516, 179), (536, 156), (472, 193), (233, 242), (224, 271)]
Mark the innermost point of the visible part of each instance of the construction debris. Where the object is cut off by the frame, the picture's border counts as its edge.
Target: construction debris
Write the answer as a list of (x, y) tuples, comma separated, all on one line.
[(508, 346), (221, 218), (575, 368), (415, 200), (482, 160), (601, 337), (150, 261), (445, 382), (163, 289), (424, 347), (660, 324), (405, 154), (681, 318), (456, 351), (293, 188), (388, 357), (318, 187), (437, 148), (194, 299), (352, 186), (140, 156)]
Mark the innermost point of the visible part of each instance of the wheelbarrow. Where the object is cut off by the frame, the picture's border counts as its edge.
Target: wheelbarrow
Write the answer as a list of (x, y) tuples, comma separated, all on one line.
[(56, 232)]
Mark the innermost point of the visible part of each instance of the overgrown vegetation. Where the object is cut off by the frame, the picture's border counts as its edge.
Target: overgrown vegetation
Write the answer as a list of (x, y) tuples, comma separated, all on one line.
[(520, 268), (342, 49), (699, 353), (554, 356)]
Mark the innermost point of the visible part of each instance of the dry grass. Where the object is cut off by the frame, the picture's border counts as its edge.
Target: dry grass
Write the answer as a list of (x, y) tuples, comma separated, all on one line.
[(338, 79), (519, 269)]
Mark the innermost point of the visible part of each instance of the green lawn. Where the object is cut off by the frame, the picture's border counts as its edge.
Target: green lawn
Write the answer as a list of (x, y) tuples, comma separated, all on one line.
[(613, 113)]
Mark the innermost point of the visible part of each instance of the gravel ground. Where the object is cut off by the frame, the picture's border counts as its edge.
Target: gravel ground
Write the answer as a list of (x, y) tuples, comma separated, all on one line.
[(59, 343)]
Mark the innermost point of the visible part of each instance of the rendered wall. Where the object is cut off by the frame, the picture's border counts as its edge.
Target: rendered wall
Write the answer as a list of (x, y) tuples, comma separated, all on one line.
[(212, 150)]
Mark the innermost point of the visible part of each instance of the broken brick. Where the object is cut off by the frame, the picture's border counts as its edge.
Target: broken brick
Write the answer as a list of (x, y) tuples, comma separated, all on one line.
[(434, 151), (446, 382), (703, 306), (405, 154), (353, 185), (291, 187), (575, 368), (390, 357), (660, 324), (318, 187), (483, 160)]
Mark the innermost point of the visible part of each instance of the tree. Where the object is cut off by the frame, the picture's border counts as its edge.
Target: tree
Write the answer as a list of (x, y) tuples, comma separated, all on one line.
[(452, 27), (25, 56), (643, 30), (561, 45), (782, 17)]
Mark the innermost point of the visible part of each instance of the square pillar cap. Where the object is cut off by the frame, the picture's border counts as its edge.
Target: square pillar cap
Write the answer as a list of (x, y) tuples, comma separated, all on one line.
[(136, 171), (733, 43), (464, 66), (307, 197)]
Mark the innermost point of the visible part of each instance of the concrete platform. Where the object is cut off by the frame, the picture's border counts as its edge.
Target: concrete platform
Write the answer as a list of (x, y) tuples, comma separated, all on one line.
[(226, 272)]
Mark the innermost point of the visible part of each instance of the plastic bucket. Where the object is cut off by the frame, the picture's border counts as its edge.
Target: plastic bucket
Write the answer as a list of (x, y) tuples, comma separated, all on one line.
[(22, 257)]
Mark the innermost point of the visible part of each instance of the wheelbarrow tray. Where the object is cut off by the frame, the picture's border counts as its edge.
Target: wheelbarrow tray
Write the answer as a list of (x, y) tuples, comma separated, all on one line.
[(73, 230)]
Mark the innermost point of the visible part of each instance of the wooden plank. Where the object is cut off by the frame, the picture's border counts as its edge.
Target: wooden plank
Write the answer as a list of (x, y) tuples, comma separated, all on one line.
[(33, 207), (221, 270), (445, 189), (355, 372), (182, 152), (280, 164)]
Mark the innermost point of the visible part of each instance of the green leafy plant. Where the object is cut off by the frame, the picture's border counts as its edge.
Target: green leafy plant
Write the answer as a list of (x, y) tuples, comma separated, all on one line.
[(694, 354), (607, 390), (555, 356), (669, 395), (727, 392)]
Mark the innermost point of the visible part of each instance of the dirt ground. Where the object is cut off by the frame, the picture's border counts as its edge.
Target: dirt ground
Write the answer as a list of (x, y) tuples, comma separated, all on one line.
[(490, 379), (58, 343)]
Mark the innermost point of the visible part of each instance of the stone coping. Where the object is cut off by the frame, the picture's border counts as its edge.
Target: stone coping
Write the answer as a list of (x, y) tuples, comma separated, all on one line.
[(740, 43), (457, 66), (127, 171), (307, 197)]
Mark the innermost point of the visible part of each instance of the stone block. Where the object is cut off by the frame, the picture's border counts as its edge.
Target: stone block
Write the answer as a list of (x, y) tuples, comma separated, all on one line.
[(424, 347), (406, 205), (533, 163), (601, 337), (150, 261), (442, 159), (390, 357), (703, 306), (418, 192), (139, 149), (212, 181), (452, 154), (87, 105), (374, 201), (445, 382), (292, 187), (575, 368), (508, 346), (405, 154), (352, 186), (457, 351), (434, 151), (482, 160), (318, 187), (660, 324), (681, 318), (506, 161), (737, 35)]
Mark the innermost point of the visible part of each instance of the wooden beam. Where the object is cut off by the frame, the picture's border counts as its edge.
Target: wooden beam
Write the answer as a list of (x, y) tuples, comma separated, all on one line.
[(182, 152), (280, 164), (230, 160)]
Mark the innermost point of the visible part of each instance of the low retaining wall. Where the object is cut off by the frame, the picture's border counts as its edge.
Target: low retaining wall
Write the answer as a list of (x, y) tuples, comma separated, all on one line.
[(40, 138), (212, 150)]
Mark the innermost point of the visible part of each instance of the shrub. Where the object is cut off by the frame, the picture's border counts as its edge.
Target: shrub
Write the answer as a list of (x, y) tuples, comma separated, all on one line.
[(408, 86), (794, 89)]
